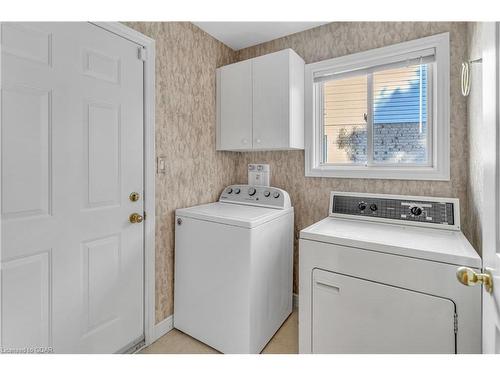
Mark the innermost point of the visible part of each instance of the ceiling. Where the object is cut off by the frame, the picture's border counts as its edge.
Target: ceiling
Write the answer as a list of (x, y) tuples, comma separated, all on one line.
[(238, 35)]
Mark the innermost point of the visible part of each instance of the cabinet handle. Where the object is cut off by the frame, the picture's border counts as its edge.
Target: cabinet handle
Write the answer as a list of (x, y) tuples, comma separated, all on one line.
[(326, 284)]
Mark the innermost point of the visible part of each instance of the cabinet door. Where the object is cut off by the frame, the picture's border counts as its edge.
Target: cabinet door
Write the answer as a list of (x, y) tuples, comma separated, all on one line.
[(234, 101), (352, 315), (271, 101)]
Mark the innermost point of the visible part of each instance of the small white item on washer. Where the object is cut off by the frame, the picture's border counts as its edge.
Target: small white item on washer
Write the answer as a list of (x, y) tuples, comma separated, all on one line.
[(259, 174)]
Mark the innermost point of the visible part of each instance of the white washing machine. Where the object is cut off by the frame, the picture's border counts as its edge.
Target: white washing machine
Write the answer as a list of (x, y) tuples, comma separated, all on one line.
[(379, 275), (233, 268)]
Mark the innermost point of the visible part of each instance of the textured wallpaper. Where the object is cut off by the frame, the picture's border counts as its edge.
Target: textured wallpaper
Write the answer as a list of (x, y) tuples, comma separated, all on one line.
[(186, 59), (310, 195)]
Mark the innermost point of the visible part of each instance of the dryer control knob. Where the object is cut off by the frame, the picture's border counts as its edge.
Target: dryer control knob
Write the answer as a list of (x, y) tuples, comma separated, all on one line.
[(416, 211), (237, 191), (373, 207), (251, 191), (276, 194), (229, 190), (362, 206), (267, 193)]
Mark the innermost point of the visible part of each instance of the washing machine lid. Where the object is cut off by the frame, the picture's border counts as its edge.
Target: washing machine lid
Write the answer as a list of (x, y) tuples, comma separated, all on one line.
[(424, 243), (240, 215)]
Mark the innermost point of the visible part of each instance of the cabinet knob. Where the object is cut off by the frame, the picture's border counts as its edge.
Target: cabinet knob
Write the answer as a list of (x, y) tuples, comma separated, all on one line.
[(244, 141), (258, 140)]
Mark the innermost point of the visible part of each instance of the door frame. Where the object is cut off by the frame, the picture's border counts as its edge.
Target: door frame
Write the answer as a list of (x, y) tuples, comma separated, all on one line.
[(491, 146), (149, 167)]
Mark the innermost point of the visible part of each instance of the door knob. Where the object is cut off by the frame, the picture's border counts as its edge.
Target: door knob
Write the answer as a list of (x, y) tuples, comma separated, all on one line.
[(135, 218), (469, 277), (134, 197)]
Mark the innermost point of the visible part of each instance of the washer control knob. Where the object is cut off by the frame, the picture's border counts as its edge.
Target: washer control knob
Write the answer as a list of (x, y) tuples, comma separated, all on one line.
[(229, 190), (362, 206), (416, 211), (276, 194), (251, 191), (373, 207), (267, 193), (237, 190)]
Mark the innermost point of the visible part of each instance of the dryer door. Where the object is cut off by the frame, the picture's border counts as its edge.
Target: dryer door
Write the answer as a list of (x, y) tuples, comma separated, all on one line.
[(352, 315)]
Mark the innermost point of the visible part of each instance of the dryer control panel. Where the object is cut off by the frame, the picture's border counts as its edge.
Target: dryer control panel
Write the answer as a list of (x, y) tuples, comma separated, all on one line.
[(441, 213), (262, 196)]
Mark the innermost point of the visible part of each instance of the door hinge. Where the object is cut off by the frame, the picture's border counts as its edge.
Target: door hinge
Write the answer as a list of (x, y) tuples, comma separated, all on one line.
[(142, 54), (455, 322)]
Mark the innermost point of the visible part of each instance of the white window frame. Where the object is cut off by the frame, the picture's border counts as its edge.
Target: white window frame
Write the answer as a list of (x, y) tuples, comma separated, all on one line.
[(439, 114)]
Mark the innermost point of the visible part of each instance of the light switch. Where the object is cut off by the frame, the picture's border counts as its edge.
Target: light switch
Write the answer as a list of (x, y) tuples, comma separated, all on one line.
[(161, 165)]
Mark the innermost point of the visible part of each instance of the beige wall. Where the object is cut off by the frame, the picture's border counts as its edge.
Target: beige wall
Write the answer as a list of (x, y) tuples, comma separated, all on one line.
[(474, 117), (185, 127), (186, 59), (310, 195)]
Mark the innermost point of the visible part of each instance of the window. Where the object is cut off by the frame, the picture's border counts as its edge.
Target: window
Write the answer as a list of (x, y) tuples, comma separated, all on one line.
[(380, 114)]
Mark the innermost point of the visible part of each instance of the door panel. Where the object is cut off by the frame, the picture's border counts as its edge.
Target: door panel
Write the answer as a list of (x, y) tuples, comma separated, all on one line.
[(72, 152), (102, 154), (102, 269), (235, 112), (101, 66), (271, 101), (352, 315), (26, 152), (26, 299), (27, 41)]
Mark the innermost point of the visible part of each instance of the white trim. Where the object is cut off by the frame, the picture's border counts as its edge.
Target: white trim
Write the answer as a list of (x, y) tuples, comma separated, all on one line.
[(149, 169), (490, 163), (163, 327), (1, 225), (440, 169)]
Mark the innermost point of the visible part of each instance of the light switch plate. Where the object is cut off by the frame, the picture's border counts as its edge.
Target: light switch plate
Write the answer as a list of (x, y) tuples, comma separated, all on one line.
[(161, 165), (259, 174)]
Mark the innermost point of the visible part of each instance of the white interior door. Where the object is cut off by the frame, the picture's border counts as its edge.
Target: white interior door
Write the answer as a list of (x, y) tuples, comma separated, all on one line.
[(72, 152), (491, 184)]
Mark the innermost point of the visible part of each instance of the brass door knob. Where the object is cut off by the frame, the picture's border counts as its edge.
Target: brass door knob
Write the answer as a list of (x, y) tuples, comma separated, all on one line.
[(469, 277), (135, 218), (134, 197)]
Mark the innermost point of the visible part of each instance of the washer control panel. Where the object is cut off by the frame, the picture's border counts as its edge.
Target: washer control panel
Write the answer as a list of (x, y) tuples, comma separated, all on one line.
[(412, 210), (264, 196)]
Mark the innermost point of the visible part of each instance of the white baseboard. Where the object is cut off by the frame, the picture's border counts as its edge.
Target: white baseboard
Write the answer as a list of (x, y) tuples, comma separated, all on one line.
[(295, 300), (163, 327)]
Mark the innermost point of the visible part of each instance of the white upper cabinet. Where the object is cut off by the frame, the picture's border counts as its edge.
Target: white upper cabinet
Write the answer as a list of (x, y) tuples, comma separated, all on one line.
[(234, 117), (260, 103)]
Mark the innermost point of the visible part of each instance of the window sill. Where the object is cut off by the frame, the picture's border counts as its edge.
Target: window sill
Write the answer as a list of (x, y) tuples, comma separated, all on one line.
[(391, 173)]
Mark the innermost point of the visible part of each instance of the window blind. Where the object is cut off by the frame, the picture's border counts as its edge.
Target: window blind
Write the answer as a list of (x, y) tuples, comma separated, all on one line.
[(425, 56)]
